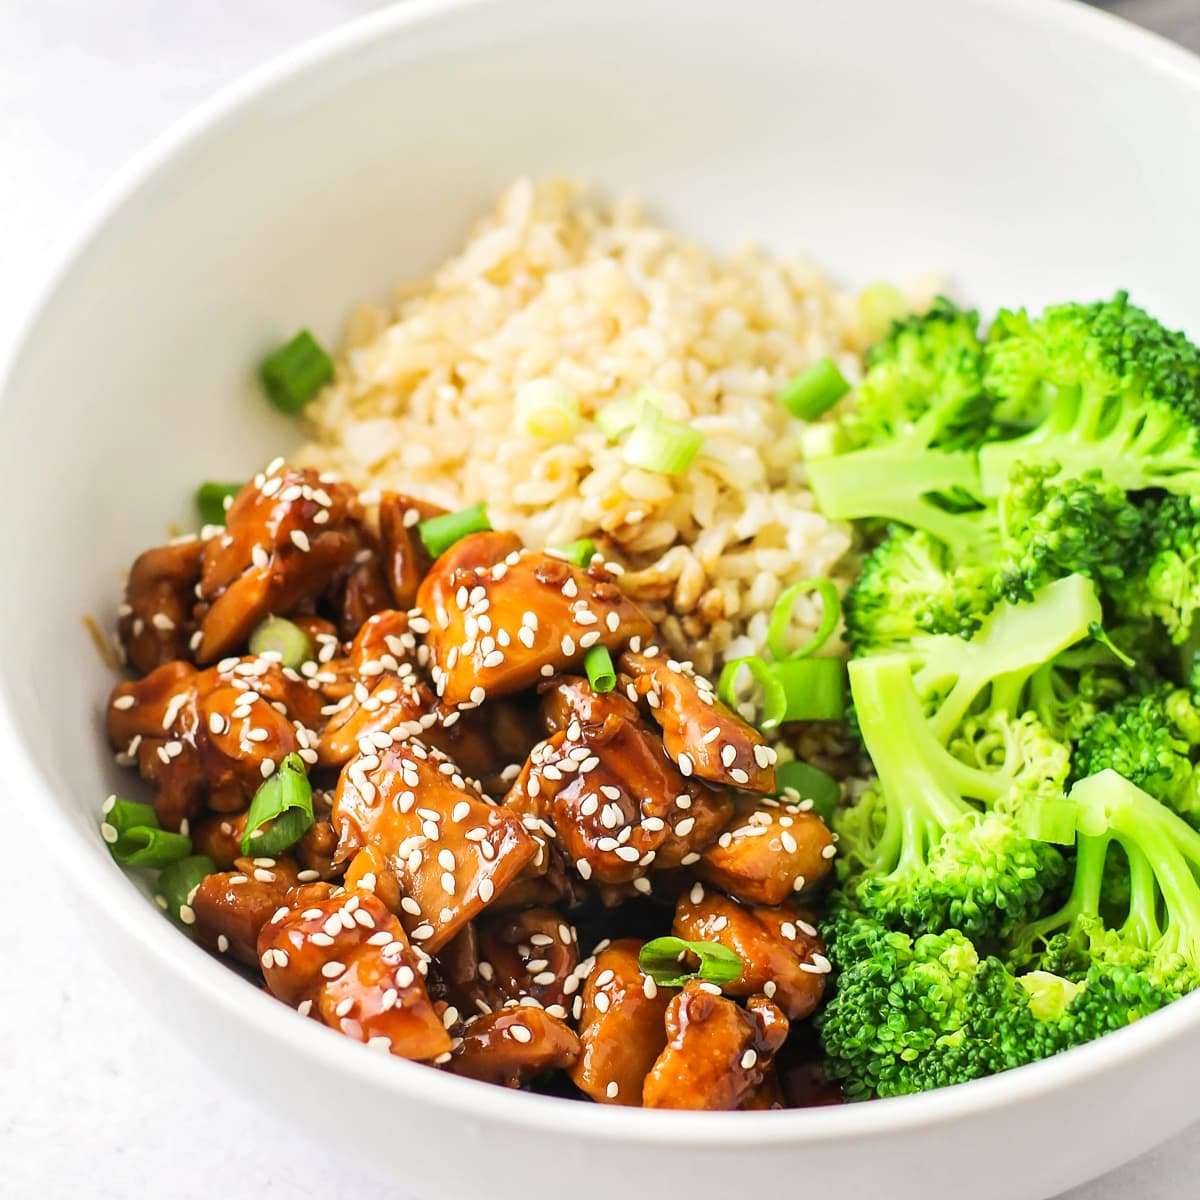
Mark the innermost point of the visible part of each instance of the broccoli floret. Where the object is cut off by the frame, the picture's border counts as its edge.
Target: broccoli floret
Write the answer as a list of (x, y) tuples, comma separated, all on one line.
[(915, 851), (1150, 740), (1157, 936), (1168, 584), (1054, 526), (920, 415), (1119, 394), (907, 587), (1071, 691), (908, 1014)]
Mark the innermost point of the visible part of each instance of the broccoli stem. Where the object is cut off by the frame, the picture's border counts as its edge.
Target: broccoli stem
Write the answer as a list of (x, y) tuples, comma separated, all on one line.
[(892, 482), (1013, 643)]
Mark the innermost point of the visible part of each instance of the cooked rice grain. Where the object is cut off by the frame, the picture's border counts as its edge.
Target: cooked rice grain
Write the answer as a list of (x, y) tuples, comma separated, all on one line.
[(552, 286)]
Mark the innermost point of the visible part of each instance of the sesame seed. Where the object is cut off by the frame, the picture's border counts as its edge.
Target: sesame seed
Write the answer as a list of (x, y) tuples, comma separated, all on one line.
[(304, 1007), (697, 893), (568, 647), (123, 702), (487, 889), (789, 842), (611, 1090), (520, 1033), (601, 1001), (749, 1059), (684, 827), (728, 755), (685, 765), (738, 775), (222, 943), (333, 968), (187, 914)]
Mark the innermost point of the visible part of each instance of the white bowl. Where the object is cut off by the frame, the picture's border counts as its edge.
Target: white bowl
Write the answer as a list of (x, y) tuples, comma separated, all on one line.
[(1032, 149)]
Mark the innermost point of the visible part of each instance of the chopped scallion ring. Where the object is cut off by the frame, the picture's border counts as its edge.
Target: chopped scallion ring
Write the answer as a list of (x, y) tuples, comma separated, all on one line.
[(177, 885), (546, 409), (814, 688), (657, 443), (278, 635), (285, 800), (809, 783), (213, 500), (781, 618), (771, 709), (440, 533), (665, 960), (814, 391), (136, 839), (296, 372), (615, 417), (580, 553), (601, 673)]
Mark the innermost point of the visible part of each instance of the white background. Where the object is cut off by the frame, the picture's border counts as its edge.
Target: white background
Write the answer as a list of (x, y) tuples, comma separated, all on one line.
[(94, 1102)]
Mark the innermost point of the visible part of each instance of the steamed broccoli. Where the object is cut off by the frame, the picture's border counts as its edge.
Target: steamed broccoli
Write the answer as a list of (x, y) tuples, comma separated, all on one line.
[(1151, 740), (1114, 391), (1157, 937), (920, 416)]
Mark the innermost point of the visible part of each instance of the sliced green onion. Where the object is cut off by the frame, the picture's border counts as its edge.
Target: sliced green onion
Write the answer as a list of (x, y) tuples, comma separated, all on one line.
[(285, 799), (804, 689), (657, 443), (296, 372), (880, 305), (772, 708), (601, 673), (814, 688), (781, 618), (814, 391), (136, 839), (809, 783), (278, 635), (440, 533), (177, 885), (213, 500), (615, 417), (663, 960), (143, 846), (580, 553), (1047, 820), (548, 410)]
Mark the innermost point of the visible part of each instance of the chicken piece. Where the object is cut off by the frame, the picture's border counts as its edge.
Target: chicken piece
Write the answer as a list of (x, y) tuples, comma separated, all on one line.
[(359, 590), (511, 957), (404, 557), (286, 536), (155, 623), (616, 801), (452, 851), (231, 907), (717, 1054), (345, 960), (782, 954), (317, 849), (513, 1045), (368, 871), (502, 621), (769, 851), (207, 739), (701, 734), (219, 836), (622, 1029)]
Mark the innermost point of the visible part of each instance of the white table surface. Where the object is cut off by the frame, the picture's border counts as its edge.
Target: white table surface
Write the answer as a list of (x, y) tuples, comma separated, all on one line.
[(94, 1101)]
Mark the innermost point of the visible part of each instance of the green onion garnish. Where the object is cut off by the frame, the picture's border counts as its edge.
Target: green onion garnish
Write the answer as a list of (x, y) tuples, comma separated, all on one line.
[(546, 409), (136, 839), (771, 708), (440, 533), (177, 885), (781, 618), (212, 500), (809, 783), (664, 959), (285, 799), (814, 688), (804, 689), (615, 417), (814, 391), (278, 635), (580, 553), (657, 443), (296, 372), (601, 673)]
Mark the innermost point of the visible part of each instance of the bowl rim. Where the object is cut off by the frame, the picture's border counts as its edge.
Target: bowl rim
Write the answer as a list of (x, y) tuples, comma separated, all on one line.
[(141, 924)]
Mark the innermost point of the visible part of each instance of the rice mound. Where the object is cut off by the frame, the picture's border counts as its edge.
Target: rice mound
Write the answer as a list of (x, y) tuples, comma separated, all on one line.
[(551, 286)]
